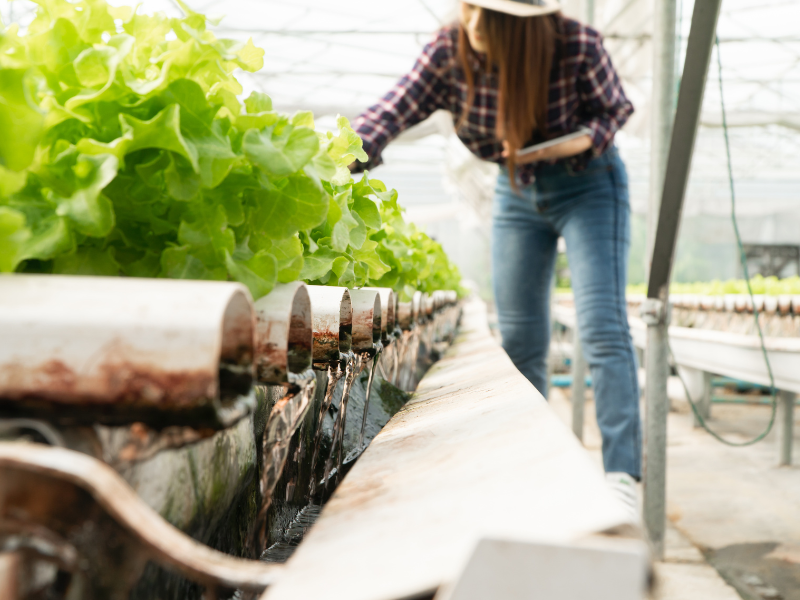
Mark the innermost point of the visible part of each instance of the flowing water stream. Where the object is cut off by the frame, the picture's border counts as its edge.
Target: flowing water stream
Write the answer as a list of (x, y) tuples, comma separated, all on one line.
[(333, 465), (324, 433), (375, 362), (335, 373), (283, 420)]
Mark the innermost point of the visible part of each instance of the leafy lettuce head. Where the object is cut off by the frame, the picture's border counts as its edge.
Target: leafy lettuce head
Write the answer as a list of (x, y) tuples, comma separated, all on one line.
[(126, 151)]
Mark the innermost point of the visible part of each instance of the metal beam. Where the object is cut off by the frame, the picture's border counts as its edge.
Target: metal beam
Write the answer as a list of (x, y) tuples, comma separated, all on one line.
[(684, 133), (663, 107), (655, 311), (578, 397), (786, 426)]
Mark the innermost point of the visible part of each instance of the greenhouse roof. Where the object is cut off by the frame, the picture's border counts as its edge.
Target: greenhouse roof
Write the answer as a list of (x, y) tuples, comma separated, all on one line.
[(338, 58)]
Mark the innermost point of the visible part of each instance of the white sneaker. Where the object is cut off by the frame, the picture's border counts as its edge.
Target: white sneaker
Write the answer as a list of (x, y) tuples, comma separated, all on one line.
[(625, 489)]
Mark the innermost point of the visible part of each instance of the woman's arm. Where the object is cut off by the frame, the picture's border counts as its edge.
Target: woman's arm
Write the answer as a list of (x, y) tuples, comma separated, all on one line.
[(603, 110), (413, 99), (605, 106)]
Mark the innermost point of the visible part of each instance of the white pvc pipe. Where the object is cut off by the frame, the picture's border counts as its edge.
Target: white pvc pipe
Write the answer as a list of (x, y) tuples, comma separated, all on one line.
[(123, 341)]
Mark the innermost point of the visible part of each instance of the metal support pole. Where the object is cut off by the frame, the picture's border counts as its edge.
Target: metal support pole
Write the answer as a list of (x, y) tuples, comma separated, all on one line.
[(655, 434), (656, 357), (655, 309), (578, 386), (662, 107), (707, 396), (786, 401)]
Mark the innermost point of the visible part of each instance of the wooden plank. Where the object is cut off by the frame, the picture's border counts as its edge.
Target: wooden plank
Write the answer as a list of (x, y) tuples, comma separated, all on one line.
[(476, 453)]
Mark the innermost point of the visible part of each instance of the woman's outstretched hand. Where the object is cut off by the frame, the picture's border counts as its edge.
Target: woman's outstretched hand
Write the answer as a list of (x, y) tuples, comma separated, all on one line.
[(562, 150)]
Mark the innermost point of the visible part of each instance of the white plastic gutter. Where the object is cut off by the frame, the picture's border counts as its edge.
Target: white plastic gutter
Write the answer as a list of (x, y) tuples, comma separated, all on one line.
[(720, 352)]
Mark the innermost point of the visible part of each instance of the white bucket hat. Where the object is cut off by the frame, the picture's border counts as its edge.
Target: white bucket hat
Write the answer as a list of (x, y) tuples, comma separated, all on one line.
[(520, 8)]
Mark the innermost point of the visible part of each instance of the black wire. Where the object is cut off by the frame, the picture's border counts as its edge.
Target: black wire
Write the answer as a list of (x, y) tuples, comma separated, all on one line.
[(743, 259)]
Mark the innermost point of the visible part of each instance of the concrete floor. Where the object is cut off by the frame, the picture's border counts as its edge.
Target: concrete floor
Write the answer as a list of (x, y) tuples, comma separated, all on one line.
[(734, 514)]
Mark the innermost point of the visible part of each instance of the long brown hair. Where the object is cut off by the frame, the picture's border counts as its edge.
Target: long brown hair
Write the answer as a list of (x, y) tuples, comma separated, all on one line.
[(522, 50)]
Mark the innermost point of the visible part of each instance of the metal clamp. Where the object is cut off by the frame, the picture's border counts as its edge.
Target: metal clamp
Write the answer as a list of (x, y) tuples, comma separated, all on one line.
[(654, 312)]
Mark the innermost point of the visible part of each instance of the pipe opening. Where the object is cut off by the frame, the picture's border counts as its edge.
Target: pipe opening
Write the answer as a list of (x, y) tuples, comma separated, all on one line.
[(427, 305), (390, 312), (405, 315), (376, 320), (366, 319), (345, 323), (236, 354), (300, 335), (332, 322), (416, 312), (388, 303)]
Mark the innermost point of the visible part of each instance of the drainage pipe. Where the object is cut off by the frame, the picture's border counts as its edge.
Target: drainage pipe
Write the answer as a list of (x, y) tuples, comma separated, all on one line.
[(388, 303), (417, 312), (578, 398), (405, 315), (366, 319), (428, 305), (284, 337), (439, 300), (331, 323), (122, 348)]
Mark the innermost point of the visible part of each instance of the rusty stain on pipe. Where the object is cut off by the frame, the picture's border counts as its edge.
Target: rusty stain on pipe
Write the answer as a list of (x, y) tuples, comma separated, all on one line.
[(332, 321), (130, 342), (284, 337), (366, 319)]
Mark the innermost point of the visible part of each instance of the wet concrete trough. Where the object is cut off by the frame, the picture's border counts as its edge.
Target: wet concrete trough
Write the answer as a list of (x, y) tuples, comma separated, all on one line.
[(476, 454)]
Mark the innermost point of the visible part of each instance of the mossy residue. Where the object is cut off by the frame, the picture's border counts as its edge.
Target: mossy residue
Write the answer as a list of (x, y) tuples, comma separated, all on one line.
[(392, 398)]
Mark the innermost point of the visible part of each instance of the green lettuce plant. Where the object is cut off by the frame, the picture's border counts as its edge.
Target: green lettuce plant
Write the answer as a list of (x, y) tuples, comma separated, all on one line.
[(126, 151)]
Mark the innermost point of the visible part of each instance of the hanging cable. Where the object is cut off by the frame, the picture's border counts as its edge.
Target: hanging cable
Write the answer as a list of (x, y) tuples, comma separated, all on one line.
[(743, 259)]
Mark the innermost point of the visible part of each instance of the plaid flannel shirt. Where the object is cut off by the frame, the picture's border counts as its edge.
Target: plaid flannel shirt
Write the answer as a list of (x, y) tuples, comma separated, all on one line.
[(585, 91)]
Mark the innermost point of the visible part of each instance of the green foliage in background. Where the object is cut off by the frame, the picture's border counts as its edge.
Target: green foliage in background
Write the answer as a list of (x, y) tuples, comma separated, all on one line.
[(768, 286), (126, 151)]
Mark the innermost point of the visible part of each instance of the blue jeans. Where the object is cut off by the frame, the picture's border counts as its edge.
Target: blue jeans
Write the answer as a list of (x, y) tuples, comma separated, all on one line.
[(590, 210)]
